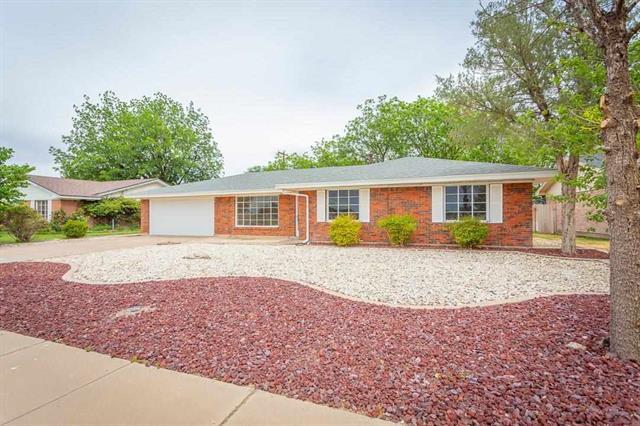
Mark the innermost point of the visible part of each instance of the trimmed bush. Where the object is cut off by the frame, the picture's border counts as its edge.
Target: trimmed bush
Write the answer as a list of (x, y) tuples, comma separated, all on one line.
[(345, 231), (22, 222), (469, 232), (58, 218), (75, 228), (399, 227)]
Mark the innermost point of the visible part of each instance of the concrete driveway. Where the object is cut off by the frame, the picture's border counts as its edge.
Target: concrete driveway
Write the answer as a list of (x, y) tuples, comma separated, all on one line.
[(57, 248)]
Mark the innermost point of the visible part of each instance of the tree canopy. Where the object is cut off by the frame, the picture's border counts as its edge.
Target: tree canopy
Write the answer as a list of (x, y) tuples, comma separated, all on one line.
[(12, 178), (150, 137), (387, 128)]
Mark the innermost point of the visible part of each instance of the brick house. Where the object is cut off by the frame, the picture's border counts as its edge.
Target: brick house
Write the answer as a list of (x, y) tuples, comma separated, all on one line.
[(46, 194), (287, 203)]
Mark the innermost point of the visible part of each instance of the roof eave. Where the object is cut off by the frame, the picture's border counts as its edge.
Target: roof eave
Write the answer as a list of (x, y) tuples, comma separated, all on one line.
[(206, 194), (128, 187), (534, 176), (79, 197)]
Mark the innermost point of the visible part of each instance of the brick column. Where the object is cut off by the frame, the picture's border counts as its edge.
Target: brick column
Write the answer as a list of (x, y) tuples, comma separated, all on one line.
[(144, 216)]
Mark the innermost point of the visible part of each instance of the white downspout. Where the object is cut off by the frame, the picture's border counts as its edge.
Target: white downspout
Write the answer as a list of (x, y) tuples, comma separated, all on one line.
[(296, 194)]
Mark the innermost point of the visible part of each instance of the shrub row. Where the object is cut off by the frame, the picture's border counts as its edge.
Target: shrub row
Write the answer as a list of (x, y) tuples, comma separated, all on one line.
[(22, 222), (345, 230)]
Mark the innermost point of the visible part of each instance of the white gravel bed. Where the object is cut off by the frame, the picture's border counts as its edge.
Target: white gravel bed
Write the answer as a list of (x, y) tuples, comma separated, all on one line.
[(396, 276)]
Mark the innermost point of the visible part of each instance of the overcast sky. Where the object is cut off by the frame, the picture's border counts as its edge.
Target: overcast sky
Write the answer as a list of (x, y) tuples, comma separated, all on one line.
[(269, 75)]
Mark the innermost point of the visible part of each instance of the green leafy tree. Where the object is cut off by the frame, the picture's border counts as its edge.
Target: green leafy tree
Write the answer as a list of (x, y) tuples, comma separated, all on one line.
[(388, 128), (143, 138), (527, 72), (385, 128), (113, 209), (12, 178), (283, 161)]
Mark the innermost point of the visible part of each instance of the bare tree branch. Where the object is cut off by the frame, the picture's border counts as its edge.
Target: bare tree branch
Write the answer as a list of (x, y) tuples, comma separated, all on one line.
[(577, 8), (633, 30)]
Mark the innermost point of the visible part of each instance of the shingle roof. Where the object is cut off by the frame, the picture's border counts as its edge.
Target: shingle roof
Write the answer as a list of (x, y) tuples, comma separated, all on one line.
[(403, 168), (82, 188)]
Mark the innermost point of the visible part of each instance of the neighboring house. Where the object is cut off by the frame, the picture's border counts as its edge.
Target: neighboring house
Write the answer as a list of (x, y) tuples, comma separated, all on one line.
[(46, 194), (288, 202), (548, 216)]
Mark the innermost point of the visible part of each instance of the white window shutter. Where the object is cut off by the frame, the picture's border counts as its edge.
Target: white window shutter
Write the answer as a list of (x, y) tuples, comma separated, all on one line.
[(321, 206), (495, 203), (365, 205), (437, 206)]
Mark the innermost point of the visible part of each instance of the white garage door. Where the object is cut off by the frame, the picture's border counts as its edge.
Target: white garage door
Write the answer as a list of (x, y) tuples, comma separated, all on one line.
[(190, 217)]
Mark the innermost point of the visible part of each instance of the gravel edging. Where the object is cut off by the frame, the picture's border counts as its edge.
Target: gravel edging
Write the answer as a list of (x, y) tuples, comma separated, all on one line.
[(397, 277), (70, 278)]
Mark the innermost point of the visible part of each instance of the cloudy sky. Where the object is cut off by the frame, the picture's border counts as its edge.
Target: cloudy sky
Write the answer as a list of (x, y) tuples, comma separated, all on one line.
[(269, 75)]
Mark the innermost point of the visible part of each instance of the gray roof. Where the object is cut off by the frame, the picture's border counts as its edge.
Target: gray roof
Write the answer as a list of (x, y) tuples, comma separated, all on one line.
[(403, 168)]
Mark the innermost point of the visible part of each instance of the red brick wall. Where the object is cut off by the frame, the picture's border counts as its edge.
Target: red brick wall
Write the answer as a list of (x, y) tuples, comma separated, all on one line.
[(144, 216), (516, 229), (68, 206), (225, 218)]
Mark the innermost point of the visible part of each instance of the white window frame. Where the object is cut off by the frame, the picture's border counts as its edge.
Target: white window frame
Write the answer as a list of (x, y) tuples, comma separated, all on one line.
[(277, 196), (326, 203), (458, 185), (46, 217)]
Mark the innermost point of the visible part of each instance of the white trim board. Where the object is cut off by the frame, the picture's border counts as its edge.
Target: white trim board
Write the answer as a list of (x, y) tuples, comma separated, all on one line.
[(500, 177)]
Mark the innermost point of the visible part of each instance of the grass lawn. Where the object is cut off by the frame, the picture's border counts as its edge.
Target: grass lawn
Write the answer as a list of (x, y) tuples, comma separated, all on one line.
[(581, 242), (5, 238)]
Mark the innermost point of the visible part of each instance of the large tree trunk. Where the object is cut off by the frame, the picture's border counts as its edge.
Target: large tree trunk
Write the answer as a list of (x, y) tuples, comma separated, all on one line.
[(569, 170), (619, 130)]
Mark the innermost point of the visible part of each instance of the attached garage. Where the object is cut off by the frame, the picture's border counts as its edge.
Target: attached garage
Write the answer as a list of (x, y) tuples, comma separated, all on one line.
[(181, 216)]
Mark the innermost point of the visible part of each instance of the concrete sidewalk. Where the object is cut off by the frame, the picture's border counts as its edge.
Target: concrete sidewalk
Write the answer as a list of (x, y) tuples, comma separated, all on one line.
[(43, 382)]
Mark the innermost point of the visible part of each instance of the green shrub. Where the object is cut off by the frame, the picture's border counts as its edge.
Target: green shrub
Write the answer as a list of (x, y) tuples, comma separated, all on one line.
[(21, 221), (58, 218), (78, 215), (345, 230), (114, 209), (469, 231), (101, 227), (399, 227), (75, 228)]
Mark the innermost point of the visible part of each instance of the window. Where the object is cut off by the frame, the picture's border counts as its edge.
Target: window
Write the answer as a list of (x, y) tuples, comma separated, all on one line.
[(257, 211), (343, 201), (42, 207), (466, 200)]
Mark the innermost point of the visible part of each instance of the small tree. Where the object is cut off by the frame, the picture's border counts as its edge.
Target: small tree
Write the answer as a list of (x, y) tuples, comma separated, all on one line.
[(113, 209), (12, 178), (22, 222)]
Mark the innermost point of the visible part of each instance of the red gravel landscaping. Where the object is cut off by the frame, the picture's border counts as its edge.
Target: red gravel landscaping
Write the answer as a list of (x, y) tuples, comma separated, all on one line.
[(505, 364)]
